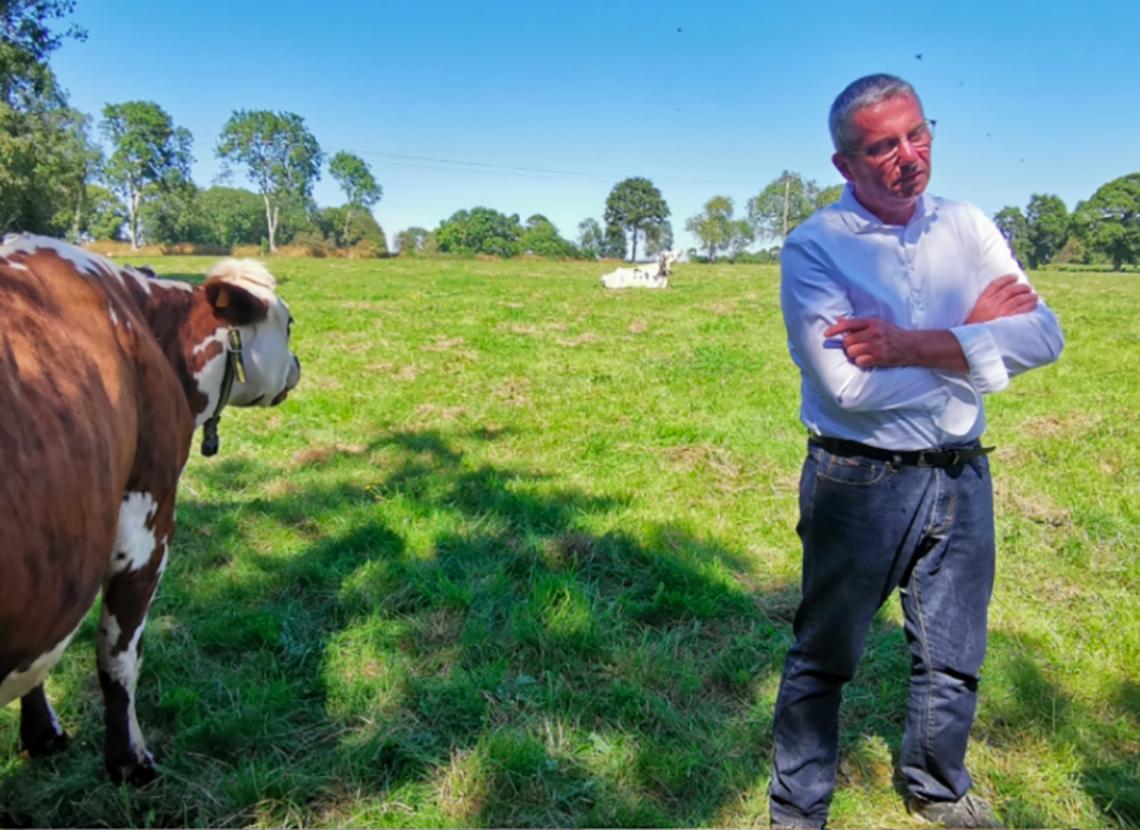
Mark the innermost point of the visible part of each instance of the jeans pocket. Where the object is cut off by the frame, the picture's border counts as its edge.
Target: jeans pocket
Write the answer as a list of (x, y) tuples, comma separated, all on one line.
[(855, 471)]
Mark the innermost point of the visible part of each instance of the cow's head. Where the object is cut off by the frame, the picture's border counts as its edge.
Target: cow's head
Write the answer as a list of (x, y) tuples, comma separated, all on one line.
[(243, 294)]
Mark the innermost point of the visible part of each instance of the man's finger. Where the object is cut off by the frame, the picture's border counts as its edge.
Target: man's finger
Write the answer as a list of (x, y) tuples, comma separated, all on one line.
[(845, 324), (1000, 283)]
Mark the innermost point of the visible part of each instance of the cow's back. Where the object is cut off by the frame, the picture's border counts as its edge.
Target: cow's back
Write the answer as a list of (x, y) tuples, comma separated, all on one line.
[(67, 441)]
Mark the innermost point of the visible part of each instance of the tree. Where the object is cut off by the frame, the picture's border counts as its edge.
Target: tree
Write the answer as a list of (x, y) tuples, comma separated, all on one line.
[(414, 240), (658, 238), (1049, 227), (150, 154), (103, 215), (614, 243), (346, 228), (354, 176), (230, 216), (480, 231), (541, 238), (1015, 228), (1110, 220), (635, 206), (281, 157), (26, 42), (46, 156), (170, 214), (46, 160), (591, 239), (782, 204), (714, 226), (828, 196)]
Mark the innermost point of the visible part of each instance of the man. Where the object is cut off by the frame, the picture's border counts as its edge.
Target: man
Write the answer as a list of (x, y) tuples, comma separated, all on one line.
[(902, 310)]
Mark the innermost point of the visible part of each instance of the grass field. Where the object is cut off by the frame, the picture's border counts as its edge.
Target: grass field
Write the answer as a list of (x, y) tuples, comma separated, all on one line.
[(521, 552)]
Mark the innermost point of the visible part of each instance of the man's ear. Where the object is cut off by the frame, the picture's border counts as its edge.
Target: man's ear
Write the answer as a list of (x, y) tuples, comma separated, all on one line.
[(843, 165), (234, 304)]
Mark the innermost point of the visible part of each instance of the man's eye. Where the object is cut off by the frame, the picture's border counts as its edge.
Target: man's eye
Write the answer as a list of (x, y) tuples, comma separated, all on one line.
[(881, 148)]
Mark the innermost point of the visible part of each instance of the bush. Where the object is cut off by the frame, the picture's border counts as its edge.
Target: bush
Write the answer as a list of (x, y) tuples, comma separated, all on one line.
[(307, 243)]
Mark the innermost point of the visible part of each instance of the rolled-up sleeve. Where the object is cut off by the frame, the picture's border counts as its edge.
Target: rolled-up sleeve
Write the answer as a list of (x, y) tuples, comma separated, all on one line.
[(811, 300), (1000, 349)]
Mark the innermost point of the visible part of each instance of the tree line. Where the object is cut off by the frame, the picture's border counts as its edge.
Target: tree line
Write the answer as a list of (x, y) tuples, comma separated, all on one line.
[(55, 179)]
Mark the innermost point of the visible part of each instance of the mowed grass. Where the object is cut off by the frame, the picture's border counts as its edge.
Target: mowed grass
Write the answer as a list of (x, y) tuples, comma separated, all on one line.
[(521, 552)]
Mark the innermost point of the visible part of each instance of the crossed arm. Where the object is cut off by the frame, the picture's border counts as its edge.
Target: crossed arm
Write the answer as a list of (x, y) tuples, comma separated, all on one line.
[(869, 342)]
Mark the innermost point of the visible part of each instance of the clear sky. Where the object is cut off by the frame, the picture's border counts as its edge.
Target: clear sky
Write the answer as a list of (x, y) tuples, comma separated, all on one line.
[(541, 107)]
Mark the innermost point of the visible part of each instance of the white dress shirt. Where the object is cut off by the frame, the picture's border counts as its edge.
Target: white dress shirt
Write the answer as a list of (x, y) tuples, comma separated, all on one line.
[(845, 262)]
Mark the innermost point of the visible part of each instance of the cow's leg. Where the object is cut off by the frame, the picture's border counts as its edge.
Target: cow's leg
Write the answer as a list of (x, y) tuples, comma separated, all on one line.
[(136, 567), (40, 732)]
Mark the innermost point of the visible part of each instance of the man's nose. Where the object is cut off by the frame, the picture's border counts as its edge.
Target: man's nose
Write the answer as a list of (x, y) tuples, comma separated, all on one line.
[(907, 153)]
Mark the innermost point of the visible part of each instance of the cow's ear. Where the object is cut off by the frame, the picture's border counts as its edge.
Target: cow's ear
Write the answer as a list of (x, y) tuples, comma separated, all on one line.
[(234, 304)]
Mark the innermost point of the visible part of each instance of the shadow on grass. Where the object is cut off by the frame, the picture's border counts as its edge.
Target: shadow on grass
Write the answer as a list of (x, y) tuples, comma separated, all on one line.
[(1028, 707), (428, 641)]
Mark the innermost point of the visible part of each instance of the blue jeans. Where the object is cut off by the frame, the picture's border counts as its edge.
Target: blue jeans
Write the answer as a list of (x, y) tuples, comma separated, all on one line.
[(868, 526)]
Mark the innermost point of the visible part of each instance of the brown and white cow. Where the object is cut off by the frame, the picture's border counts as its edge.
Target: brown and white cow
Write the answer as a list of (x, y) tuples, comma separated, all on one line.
[(105, 373)]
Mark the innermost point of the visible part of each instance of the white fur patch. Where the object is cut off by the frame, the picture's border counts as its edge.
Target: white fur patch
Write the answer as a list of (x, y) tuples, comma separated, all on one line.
[(91, 264), (209, 380), (123, 668), (134, 541), (19, 683)]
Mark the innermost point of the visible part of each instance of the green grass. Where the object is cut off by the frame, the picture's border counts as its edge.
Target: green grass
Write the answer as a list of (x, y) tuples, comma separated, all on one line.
[(521, 552)]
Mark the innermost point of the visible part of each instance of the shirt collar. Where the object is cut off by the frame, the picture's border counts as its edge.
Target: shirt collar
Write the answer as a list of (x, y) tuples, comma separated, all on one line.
[(861, 220)]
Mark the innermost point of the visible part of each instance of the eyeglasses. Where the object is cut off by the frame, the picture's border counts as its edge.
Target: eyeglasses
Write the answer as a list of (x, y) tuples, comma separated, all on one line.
[(886, 149)]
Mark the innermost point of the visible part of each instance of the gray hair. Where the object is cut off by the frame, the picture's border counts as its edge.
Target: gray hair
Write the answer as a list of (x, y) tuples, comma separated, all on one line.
[(860, 93)]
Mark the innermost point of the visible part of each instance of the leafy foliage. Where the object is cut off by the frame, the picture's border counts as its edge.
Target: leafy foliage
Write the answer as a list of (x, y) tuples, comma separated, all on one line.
[(46, 156), (828, 196), (481, 230), (782, 204), (1110, 220), (150, 155), (636, 206), (346, 227), (1015, 228), (541, 238), (716, 228), (415, 240), (103, 216), (27, 39), (591, 238), (280, 156), (1049, 227), (614, 242)]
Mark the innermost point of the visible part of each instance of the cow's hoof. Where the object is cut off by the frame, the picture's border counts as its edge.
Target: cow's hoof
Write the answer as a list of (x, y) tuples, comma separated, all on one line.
[(45, 743), (136, 774)]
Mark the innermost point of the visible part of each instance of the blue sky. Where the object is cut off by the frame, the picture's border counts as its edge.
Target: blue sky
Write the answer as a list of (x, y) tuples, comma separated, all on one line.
[(542, 107)]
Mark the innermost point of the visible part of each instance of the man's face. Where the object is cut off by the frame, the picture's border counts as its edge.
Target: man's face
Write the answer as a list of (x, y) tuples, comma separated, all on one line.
[(888, 184)]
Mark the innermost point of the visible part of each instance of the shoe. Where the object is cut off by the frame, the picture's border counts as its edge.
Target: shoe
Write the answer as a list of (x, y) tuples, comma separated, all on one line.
[(967, 811)]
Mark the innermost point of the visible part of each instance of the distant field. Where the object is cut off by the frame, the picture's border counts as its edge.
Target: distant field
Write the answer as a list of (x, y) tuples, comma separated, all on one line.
[(521, 552)]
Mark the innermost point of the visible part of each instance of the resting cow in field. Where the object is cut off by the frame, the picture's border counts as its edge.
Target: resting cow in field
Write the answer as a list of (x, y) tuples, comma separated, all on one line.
[(105, 373), (649, 275)]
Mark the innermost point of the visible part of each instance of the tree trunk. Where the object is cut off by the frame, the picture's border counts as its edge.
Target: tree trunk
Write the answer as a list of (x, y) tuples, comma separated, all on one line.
[(787, 188), (133, 224), (344, 233), (633, 255), (712, 252), (271, 223), (78, 216)]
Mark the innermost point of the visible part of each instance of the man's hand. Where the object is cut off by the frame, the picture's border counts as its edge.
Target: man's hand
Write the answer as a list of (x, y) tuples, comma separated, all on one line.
[(1004, 297), (870, 342)]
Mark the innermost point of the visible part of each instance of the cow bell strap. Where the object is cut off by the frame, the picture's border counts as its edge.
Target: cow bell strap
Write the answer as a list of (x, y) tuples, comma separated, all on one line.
[(234, 368)]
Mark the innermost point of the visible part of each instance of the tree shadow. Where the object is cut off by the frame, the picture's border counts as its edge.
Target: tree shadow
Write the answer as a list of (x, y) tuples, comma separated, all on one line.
[(439, 641), (535, 672)]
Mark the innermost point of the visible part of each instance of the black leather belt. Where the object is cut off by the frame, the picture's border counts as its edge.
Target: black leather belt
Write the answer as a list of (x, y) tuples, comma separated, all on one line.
[(936, 457)]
